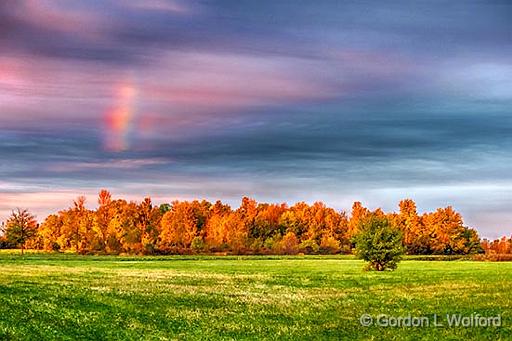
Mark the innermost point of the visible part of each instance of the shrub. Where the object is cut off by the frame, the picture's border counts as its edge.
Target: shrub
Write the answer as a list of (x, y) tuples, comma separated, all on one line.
[(55, 246), (494, 257), (329, 245), (197, 244), (268, 244), (379, 244), (289, 245), (149, 249), (257, 246), (309, 247), (5, 244)]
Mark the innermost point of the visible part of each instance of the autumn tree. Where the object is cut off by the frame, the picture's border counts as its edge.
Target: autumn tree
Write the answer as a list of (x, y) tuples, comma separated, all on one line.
[(416, 237), (215, 233), (131, 232), (236, 232), (472, 242), (102, 218), (289, 244), (20, 227), (178, 227), (266, 223), (359, 213), (446, 231), (226, 229), (118, 226), (74, 221), (80, 225), (50, 231), (147, 218), (498, 246), (248, 211), (316, 222), (329, 244), (295, 219)]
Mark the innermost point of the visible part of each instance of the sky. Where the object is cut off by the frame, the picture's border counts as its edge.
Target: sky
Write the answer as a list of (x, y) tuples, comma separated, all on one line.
[(282, 101)]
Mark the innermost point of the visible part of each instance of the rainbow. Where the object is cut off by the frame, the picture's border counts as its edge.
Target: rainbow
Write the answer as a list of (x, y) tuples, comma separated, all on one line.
[(119, 118)]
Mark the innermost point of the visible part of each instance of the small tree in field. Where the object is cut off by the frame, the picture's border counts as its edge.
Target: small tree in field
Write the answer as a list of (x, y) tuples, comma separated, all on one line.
[(20, 227), (379, 243)]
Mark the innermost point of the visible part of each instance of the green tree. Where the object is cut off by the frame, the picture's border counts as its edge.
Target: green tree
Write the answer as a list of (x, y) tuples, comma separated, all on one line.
[(20, 227), (379, 243)]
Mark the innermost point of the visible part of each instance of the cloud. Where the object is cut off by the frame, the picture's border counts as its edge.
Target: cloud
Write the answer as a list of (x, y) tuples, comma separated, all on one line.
[(478, 81), (329, 101), (173, 6), (113, 165)]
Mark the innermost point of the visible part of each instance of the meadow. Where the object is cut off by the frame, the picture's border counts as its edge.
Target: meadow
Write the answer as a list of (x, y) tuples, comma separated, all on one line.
[(66, 296)]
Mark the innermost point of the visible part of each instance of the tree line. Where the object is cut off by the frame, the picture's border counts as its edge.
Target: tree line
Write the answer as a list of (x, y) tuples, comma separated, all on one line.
[(183, 227), (500, 246)]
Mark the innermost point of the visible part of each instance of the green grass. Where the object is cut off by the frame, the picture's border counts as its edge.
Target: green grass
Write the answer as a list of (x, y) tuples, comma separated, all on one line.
[(64, 296)]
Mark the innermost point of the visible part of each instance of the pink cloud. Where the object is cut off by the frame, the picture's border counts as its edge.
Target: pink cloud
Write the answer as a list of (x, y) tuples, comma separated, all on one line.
[(46, 88), (206, 80), (125, 164), (180, 90), (40, 203), (60, 17), (173, 6)]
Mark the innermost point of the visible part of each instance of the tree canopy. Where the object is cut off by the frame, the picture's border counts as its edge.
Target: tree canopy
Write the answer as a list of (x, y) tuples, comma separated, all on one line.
[(379, 243), (20, 227), (120, 226)]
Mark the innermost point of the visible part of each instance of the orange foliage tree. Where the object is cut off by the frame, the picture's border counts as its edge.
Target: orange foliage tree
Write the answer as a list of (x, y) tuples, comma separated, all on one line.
[(118, 226)]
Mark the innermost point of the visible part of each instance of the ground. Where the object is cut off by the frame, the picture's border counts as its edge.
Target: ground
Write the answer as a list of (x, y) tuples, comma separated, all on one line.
[(63, 296)]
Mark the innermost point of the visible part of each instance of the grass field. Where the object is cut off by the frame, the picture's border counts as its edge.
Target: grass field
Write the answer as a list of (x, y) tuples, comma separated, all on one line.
[(56, 296)]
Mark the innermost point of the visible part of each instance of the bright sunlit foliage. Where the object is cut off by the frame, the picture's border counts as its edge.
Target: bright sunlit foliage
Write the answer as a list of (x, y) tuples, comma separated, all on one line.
[(119, 226)]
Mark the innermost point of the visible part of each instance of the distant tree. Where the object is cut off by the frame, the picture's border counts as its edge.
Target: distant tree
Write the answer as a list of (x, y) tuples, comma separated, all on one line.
[(379, 243), (104, 198), (497, 246), (82, 226), (147, 219), (329, 244), (472, 242), (164, 208), (118, 226), (295, 219), (289, 245), (4, 243), (309, 247), (446, 230), (359, 214), (197, 244), (266, 223), (248, 211), (102, 218), (416, 237), (20, 227), (236, 233), (49, 231), (178, 227), (215, 231), (131, 231)]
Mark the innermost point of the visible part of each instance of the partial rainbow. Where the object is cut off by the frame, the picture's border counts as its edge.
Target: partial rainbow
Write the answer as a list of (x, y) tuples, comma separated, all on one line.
[(119, 119)]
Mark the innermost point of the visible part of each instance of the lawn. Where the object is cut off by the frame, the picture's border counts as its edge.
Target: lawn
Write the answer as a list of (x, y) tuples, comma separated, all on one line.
[(63, 296)]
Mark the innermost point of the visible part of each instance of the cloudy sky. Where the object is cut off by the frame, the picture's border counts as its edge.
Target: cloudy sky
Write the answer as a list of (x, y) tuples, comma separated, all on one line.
[(281, 100)]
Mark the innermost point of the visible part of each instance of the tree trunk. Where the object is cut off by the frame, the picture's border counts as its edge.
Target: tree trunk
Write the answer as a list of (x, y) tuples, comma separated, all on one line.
[(22, 247)]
